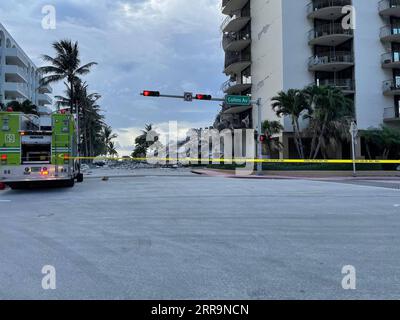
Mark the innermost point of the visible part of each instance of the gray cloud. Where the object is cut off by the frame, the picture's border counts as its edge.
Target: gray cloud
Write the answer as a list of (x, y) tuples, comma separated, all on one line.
[(171, 45)]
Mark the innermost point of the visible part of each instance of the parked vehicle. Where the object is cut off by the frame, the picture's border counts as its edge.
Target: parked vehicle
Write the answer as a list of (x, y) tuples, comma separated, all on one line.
[(38, 150)]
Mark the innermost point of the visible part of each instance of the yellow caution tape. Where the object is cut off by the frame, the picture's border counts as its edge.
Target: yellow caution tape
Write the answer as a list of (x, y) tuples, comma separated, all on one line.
[(240, 160)]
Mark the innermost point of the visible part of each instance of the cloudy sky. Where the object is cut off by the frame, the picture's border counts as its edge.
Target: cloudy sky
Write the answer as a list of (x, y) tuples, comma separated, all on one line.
[(169, 45)]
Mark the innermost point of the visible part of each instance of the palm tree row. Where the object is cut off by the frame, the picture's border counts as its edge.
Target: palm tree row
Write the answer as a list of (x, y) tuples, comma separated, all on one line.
[(327, 110), (95, 137)]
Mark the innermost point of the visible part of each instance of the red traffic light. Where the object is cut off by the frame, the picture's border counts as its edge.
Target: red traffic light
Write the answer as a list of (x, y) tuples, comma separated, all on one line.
[(148, 93), (203, 97)]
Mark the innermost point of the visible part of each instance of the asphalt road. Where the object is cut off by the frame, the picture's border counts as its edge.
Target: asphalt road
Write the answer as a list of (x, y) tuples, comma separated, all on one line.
[(192, 237)]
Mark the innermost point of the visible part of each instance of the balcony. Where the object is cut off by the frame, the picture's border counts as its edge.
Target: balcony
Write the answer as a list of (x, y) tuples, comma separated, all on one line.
[(45, 89), (390, 33), (389, 8), (331, 34), (15, 90), (391, 60), (15, 73), (346, 85), (236, 62), (235, 87), (44, 99), (228, 109), (391, 88), (234, 23), (236, 41), (229, 6), (15, 56), (331, 62), (326, 9), (389, 115)]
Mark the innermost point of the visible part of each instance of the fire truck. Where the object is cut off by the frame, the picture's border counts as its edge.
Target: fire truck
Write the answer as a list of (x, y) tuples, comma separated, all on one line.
[(38, 150)]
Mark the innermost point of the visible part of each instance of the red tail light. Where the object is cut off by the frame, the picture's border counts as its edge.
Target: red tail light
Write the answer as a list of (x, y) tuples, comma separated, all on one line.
[(3, 157), (44, 172)]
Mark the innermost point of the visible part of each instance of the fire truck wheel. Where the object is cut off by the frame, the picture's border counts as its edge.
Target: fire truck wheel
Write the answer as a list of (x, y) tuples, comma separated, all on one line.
[(70, 183)]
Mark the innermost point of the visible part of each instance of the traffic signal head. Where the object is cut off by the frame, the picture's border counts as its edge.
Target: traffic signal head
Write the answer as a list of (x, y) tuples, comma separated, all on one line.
[(148, 93), (203, 97)]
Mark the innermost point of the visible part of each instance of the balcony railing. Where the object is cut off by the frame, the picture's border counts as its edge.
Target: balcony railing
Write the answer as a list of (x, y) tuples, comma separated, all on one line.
[(342, 84), (16, 87), (232, 5), (337, 57), (236, 15), (45, 89), (388, 4), (14, 69), (232, 82), (328, 30), (390, 30), (389, 113), (229, 38), (321, 4), (390, 85), (235, 57), (390, 57)]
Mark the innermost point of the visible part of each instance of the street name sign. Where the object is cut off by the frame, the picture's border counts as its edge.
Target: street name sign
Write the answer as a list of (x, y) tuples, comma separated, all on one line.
[(238, 100)]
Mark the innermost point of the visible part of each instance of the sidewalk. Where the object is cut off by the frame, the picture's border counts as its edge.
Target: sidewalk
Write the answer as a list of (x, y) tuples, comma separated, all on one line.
[(314, 175)]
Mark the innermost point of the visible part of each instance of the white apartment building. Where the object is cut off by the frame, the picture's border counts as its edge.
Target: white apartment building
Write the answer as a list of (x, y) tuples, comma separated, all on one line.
[(277, 45), (19, 77)]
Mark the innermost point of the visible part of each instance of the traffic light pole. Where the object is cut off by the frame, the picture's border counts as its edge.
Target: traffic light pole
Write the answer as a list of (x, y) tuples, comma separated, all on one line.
[(259, 130), (185, 97)]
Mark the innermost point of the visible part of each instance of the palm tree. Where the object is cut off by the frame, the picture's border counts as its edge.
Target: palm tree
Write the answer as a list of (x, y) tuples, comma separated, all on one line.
[(328, 107), (111, 149), (385, 140), (88, 113), (292, 103), (107, 137), (142, 142), (66, 65), (271, 128)]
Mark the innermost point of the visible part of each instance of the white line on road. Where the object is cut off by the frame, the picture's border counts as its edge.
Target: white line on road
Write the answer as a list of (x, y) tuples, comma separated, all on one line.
[(5, 200)]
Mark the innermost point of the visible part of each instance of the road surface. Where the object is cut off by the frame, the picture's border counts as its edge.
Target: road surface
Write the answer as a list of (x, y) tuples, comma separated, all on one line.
[(193, 237)]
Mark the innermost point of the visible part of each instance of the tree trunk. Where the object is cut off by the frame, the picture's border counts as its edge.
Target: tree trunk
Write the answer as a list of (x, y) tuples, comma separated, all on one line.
[(71, 83), (368, 151), (296, 137), (313, 142), (300, 138), (321, 137)]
